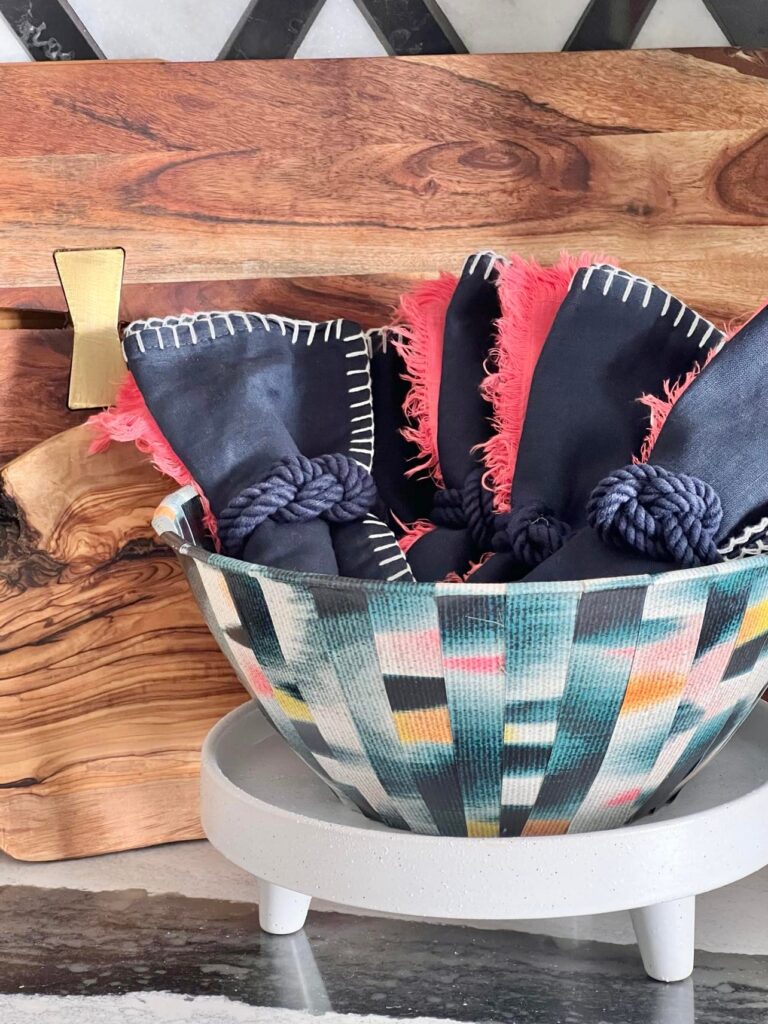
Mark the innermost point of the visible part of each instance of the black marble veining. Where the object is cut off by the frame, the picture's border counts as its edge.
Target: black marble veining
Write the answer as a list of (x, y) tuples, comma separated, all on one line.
[(49, 30), (63, 941)]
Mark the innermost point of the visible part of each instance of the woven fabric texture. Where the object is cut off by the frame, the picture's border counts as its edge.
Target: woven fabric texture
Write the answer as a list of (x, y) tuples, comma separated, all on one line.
[(497, 709)]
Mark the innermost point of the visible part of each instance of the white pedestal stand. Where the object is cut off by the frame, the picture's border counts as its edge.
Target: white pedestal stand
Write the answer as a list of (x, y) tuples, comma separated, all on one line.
[(267, 812)]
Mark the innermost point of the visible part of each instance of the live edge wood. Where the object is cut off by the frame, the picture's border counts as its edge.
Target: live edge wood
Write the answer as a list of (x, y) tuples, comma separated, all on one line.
[(109, 679), (249, 169)]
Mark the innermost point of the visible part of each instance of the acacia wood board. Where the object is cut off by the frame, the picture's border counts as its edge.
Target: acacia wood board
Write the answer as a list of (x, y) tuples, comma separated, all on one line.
[(393, 165)]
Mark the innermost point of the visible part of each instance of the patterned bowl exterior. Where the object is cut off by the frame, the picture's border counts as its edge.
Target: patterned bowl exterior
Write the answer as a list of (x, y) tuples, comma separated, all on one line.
[(487, 710)]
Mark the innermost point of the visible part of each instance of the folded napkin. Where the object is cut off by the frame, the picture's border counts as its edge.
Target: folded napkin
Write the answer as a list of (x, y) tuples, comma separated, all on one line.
[(448, 364), (703, 493), (273, 418), (615, 336), (530, 296), (407, 496)]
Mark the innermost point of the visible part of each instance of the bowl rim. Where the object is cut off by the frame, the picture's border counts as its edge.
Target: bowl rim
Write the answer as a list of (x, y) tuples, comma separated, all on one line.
[(188, 549)]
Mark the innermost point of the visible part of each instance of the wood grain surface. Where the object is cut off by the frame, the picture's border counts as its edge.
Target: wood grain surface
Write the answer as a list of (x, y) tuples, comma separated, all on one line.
[(247, 169), (109, 679), (368, 298)]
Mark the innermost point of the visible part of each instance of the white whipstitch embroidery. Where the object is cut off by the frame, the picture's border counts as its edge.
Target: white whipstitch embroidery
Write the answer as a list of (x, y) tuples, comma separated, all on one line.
[(609, 280), (403, 570), (227, 320), (739, 546), (372, 335), (361, 446), (379, 337), (613, 273), (758, 547), (704, 340), (214, 320), (471, 263), (394, 558)]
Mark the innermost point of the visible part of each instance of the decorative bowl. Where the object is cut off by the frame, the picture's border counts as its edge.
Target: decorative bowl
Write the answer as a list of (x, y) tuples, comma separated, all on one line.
[(496, 709)]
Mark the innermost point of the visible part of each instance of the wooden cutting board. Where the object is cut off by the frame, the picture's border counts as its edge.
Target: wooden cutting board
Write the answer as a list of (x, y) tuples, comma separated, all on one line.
[(109, 679), (247, 169)]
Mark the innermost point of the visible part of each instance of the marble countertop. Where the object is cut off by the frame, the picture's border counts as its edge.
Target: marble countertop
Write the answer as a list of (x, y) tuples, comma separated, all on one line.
[(171, 933)]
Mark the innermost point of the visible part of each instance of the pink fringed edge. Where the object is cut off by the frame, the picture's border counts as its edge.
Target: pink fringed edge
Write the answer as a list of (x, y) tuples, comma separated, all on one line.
[(130, 420), (660, 406), (413, 532), (418, 328), (530, 296), (455, 577)]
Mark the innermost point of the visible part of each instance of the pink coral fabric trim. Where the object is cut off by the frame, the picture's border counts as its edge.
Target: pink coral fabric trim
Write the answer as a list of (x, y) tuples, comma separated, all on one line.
[(530, 296), (130, 420), (418, 328), (660, 406)]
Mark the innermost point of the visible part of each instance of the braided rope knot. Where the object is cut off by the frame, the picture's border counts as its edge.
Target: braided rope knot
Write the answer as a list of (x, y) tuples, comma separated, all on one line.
[(469, 507), (664, 515), (531, 532), (297, 489)]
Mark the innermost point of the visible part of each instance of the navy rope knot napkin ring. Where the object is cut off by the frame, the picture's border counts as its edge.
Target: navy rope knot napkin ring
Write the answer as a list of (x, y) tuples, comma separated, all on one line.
[(297, 489), (664, 515), (467, 508), (530, 533)]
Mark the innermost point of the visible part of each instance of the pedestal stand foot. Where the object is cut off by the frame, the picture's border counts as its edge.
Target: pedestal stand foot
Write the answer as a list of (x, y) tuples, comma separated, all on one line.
[(281, 911), (665, 937)]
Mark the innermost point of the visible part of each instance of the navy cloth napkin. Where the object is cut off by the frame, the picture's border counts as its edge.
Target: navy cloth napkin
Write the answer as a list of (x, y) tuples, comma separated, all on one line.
[(615, 337), (234, 392), (463, 422), (717, 431), (407, 497)]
